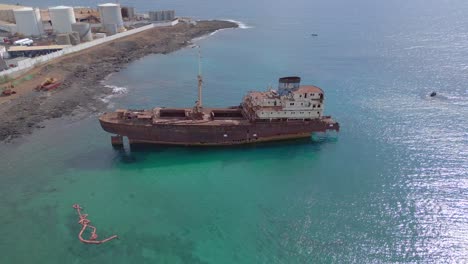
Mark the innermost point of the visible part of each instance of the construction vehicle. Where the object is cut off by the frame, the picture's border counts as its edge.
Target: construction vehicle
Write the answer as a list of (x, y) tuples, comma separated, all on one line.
[(48, 84), (8, 90)]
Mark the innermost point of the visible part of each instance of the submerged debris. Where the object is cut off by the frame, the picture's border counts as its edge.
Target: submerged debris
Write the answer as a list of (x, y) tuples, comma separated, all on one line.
[(86, 224)]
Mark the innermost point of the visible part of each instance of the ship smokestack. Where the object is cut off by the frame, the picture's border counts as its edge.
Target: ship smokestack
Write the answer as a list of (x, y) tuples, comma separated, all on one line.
[(287, 84)]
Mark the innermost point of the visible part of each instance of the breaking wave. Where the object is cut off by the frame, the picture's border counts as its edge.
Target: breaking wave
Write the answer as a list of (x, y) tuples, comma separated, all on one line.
[(116, 91), (241, 24)]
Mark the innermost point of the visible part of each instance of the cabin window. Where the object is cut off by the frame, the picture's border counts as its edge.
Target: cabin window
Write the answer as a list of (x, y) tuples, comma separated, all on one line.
[(271, 113), (291, 103), (305, 95), (313, 106), (292, 113), (318, 106), (300, 95)]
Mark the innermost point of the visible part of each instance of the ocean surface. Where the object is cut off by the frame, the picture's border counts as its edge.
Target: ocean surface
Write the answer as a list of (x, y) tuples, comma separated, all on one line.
[(391, 186)]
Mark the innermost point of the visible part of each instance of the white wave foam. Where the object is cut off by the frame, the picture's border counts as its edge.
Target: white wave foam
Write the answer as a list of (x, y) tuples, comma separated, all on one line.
[(414, 47), (116, 91), (241, 24), (206, 36)]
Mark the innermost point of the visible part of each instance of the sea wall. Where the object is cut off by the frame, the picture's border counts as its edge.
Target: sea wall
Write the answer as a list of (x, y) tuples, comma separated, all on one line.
[(28, 64)]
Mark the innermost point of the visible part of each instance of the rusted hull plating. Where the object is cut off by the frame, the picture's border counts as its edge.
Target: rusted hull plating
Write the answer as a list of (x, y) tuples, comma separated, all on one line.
[(228, 134)]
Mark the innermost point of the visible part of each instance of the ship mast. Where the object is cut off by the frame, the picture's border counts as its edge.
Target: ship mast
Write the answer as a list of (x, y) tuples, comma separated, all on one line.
[(200, 80)]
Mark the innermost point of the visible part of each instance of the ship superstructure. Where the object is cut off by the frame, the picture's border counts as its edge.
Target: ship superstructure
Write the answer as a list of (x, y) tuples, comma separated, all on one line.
[(291, 101)]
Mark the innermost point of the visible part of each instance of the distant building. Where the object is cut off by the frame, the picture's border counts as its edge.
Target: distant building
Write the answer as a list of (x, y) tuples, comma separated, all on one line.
[(165, 15)]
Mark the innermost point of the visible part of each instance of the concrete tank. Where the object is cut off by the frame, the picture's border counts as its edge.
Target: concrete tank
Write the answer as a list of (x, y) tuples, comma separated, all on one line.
[(84, 30), (128, 12), (62, 18), (75, 38), (28, 21), (63, 39), (100, 35), (111, 18)]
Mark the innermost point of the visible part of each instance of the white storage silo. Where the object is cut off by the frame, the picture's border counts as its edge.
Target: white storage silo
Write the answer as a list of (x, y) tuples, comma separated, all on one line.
[(62, 17), (28, 21), (111, 17)]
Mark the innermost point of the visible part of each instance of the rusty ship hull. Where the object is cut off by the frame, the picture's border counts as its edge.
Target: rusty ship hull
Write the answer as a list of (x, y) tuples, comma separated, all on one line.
[(143, 128)]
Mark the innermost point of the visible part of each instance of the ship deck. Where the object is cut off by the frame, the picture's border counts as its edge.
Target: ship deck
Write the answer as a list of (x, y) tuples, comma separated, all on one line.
[(177, 116), (181, 116)]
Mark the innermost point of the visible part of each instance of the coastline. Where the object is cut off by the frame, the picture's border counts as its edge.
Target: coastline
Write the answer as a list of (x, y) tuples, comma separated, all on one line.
[(82, 76)]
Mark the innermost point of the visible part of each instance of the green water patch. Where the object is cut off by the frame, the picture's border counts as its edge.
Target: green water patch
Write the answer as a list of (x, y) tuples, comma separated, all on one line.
[(13, 82), (23, 79)]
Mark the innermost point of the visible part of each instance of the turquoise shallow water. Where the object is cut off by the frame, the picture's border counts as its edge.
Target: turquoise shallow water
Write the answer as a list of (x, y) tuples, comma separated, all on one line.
[(390, 187)]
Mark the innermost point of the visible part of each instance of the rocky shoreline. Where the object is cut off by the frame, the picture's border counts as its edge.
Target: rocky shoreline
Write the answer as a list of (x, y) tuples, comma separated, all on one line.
[(82, 73)]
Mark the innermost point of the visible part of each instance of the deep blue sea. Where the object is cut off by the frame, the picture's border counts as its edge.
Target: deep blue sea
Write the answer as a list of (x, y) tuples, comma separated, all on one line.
[(391, 186)]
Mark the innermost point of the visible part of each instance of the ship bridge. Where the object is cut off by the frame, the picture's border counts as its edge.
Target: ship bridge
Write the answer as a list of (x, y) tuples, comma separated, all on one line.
[(291, 101)]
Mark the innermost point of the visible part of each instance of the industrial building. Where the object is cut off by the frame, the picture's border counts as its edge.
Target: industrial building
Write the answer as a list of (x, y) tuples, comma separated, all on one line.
[(55, 28), (107, 18)]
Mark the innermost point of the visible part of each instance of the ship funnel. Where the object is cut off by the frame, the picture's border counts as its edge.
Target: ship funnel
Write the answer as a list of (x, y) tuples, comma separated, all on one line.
[(287, 84)]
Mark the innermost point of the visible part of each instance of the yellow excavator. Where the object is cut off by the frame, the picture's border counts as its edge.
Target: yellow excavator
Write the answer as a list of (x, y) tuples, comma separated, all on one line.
[(48, 84)]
